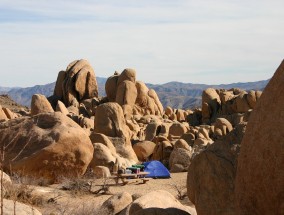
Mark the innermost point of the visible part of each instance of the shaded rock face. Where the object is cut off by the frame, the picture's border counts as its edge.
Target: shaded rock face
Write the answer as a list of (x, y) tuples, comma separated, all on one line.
[(134, 96), (48, 145), (260, 174), (76, 83), (211, 175)]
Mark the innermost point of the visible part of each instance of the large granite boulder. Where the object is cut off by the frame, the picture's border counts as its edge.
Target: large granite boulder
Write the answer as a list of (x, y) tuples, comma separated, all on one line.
[(78, 82), (211, 175), (260, 174), (48, 145)]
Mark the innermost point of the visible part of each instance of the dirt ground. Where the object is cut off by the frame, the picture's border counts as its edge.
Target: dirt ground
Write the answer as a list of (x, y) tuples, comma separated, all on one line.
[(58, 201)]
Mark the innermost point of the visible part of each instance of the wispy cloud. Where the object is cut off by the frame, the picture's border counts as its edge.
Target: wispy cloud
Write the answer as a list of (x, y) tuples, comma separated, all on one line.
[(190, 41)]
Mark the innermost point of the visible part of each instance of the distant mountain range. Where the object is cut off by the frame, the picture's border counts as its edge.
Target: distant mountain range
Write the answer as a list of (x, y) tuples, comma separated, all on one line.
[(173, 94)]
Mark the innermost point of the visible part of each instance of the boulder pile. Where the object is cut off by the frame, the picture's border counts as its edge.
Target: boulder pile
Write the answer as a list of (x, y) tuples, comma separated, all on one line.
[(126, 127)]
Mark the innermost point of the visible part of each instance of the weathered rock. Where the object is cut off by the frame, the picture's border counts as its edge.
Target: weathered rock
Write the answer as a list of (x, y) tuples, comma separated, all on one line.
[(144, 150), (111, 87), (211, 175), (58, 90), (3, 116), (162, 152), (11, 207), (101, 138), (222, 127), (101, 172), (124, 149), (260, 174), (127, 74), (40, 104), (126, 93), (177, 130), (62, 108), (9, 113), (240, 103), (48, 145), (102, 156), (110, 121), (116, 203), (157, 202), (210, 105), (79, 83), (151, 131), (180, 157)]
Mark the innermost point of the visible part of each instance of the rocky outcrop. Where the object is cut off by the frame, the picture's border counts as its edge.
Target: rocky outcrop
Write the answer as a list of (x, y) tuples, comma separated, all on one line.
[(116, 203), (110, 121), (158, 202), (260, 174), (48, 145), (180, 157), (15, 207), (134, 96), (144, 150), (211, 175), (40, 104), (76, 83)]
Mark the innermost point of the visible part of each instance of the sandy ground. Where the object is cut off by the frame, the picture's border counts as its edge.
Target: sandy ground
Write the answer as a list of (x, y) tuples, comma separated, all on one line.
[(68, 202)]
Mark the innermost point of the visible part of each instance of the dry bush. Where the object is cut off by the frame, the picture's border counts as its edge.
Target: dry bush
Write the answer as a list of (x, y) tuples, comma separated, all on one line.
[(23, 193), (181, 191), (71, 208), (77, 186)]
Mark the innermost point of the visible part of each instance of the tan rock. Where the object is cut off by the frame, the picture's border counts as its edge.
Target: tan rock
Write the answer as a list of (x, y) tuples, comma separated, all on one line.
[(48, 145), (3, 116), (110, 121), (162, 152), (151, 131), (62, 108), (180, 156), (101, 138), (101, 172), (127, 74), (212, 173), (169, 111), (126, 93), (222, 126), (40, 104), (144, 150), (260, 174), (102, 157), (210, 105), (181, 143), (58, 90), (116, 203), (241, 104), (176, 130), (9, 113), (11, 207), (154, 203), (111, 87), (79, 83)]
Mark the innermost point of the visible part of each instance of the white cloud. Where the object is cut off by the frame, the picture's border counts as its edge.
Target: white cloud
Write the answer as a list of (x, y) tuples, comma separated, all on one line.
[(189, 41)]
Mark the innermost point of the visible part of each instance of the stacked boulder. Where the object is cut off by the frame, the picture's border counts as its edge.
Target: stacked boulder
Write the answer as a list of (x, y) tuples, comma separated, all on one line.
[(133, 96), (76, 83), (217, 103)]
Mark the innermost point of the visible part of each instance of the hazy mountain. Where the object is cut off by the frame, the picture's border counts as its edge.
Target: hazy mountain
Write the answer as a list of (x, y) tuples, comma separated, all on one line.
[(174, 94)]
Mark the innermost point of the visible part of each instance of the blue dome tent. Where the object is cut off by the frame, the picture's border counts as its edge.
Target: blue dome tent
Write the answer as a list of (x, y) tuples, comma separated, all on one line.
[(156, 170)]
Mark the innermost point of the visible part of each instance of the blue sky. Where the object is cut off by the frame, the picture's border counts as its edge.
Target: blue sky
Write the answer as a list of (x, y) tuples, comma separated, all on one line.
[(213, 42)]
